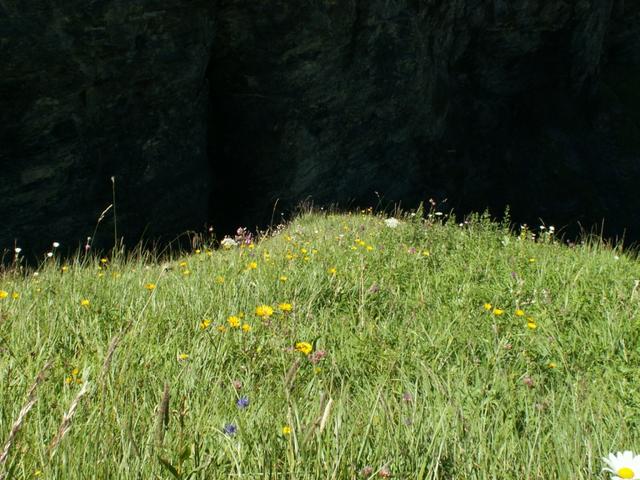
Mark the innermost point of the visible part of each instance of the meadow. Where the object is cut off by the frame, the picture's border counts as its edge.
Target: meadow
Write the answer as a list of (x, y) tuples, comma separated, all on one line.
[(337, 346)]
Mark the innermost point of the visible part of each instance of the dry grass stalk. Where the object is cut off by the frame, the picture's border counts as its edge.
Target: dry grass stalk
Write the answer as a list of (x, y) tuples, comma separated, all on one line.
[(163, 416), (291, 374), (65, 425), (31, 400), (321, 420)]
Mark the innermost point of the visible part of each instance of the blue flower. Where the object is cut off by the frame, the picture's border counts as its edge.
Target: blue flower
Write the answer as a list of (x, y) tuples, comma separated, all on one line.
[(230, 429), (242, 402)]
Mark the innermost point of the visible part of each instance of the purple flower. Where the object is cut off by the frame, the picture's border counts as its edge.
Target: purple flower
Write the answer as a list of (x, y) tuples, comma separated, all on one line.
[(242, 402), (230, 429), (317, 356)]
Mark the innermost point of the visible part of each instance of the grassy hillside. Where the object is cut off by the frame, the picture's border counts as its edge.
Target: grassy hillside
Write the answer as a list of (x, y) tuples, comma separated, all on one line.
[(338, 347)]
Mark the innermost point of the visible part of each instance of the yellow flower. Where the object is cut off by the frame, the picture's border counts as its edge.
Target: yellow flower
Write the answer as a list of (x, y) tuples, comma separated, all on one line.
[(204, 324), (150, 286), (222, 328), (15, 295), (369, 248), (68, 380), (426, 253), (183, 264), (283, 278), (186, 272), (251, 246), (219, 280), (233, 321), (289, 256), (103, 261), (285, 307), (246, 327), (252, 265), (532, 260), (182, 357), (286, 430), (498, 311), (84, 302), (64, 268), (75, 372), (552, 365), (197, 251), (519, 313), (303, 251), (304, 347), (487, 306), (264, 311), (531, 325), (3, 294), (333, 270), (37, 473)]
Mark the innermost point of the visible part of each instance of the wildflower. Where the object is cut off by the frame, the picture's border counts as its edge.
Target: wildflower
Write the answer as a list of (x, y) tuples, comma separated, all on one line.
[(37, 473), (532, 260), (3, 294), (623, 465), (15, 295), (317, 356), (56, 244), (237, 384), (519, 313), (84, 302), (552, 365), (285, 307), (366, 471), (488, 306), (304, 347), (230, 429), (369, 248), (64, 268), (150, 286), (252, 265), (197, 251), (498, 311), (283, 278), (182, 357), (17, 250), (204, 324), (49, 254), (233, 321), (222, 328), (242, 402), (286, 430), (392, 222), (246, 327), (103, 261), (228, 242), (531, 325), (264, 311), (182, 264), (384, 472), (219, 280), (333, 270)]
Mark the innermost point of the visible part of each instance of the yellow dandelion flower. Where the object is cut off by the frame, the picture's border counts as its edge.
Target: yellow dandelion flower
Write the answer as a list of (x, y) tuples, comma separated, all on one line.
[(64, 268), (286, 430), (252, 265), (532, 325), (233, 321), (198, 251), (103, 261), (251, 246), (264, 311), (552, 365), (219, 280), (68, 380), (519, 313), (333, 270), (182, 357), (182, 264), (204, 324), (487, 306), (304, 347), (285, 307), (369, 248), (303, 251), (3, 294), (150, 286), (75, 372), (84, 302), (222, 328), (498, 311), (283, 278), (289, 256), (246, 327)]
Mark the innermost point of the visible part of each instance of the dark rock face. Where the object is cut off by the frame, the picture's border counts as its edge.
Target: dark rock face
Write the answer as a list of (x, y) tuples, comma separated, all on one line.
[(214, 111)]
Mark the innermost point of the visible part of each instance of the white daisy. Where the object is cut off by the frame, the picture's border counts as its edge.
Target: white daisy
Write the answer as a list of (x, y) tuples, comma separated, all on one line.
[(623, 465), (392, 222), (228, 242)]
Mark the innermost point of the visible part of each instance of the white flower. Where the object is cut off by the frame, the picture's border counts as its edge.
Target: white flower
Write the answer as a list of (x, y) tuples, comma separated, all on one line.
[(49, 254), (228, 242), (623, 465), (392, 222), (18, 250), (56, 244)]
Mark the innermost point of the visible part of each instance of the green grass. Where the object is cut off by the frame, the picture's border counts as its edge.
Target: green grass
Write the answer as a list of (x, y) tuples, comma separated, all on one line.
[(418, 376)]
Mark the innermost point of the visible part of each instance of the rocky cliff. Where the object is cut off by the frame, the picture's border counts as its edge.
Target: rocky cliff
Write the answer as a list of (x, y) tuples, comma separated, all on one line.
[(210, 111)]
